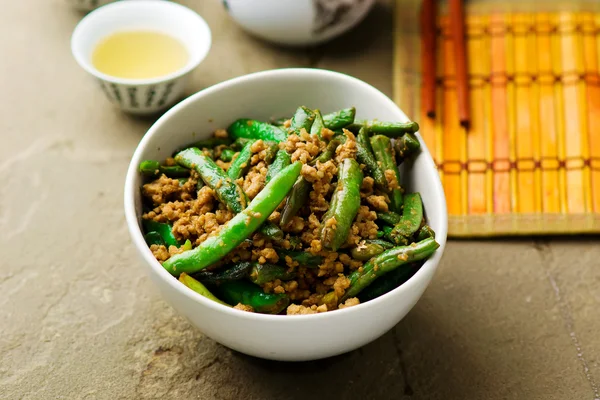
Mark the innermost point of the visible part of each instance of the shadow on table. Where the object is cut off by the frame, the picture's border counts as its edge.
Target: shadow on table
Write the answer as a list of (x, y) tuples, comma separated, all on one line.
[(376, 27), (404, 363)]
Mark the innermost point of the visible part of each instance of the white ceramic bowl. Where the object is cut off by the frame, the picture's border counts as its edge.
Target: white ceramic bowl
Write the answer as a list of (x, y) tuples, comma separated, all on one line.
[(260, 95), (142, 96), (297, 22)]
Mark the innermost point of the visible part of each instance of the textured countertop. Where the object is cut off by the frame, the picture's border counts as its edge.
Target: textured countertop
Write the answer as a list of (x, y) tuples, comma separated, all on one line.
[(503, 319)]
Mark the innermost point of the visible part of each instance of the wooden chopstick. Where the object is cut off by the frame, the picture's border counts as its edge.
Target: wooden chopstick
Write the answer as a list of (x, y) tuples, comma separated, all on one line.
[(457, 27), (428, 52)]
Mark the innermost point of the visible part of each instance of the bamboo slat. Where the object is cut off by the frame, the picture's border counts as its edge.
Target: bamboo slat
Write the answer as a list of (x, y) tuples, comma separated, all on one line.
[(452, 132), (549, 147), (499, 112), (571, 64), (591, 56), (476, 146)]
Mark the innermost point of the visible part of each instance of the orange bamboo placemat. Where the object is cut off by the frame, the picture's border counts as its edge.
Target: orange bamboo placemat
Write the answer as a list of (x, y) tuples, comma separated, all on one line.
[(530, 161)]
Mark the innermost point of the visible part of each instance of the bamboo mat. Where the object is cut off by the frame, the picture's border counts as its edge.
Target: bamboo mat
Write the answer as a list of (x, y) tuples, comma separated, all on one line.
[(530, 162)]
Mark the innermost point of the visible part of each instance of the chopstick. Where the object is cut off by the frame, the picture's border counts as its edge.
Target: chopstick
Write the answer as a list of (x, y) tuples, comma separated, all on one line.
[(457, 28), (428, 51)]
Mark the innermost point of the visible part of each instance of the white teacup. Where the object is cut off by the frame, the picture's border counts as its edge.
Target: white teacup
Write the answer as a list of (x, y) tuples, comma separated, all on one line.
[(142, 96)]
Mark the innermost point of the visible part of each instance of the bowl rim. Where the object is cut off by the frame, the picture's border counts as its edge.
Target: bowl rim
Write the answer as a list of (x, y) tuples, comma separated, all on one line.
[(195, 57), (141, 246)]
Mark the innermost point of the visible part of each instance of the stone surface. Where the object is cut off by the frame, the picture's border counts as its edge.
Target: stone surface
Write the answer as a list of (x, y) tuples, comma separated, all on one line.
[(503, 319)]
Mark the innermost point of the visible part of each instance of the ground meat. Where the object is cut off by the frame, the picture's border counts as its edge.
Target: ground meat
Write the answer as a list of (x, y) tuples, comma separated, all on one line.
[(349, 262), (166, 189), (296, 225), (223, 216), (160, 252), (223, 164), (221, 133), (340, 285), (254, 181), (321, 179), (294, 309), (327, 134), (303, 147), (378, 202), (392, 179), (243, 307), (261, 152), (330, 266), (366, 187), (348, 149), (349, 303), (265, 255), (275, 217), (196, 227), (170, 161)]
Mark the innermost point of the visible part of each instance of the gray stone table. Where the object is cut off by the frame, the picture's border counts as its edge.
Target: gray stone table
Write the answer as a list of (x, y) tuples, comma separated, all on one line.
[(503, 319)]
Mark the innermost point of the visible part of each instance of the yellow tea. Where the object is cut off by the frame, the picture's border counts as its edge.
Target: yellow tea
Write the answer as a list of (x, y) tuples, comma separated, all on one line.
[(139, 55)]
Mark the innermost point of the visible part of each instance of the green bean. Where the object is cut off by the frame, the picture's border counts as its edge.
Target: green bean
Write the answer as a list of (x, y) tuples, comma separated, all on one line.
[(263, 273), (227, 155), (330, 300), (252, 129), (241, 164), (339, 119), (389, 217), (278, 121), (199, 288), (303, 258), (295, 242), (389, 129), (228, 192), (271, 231), (294, 202), (386, 262), (237, 229), (301, 190), (364, 154), (209, 143), (382, 148), (244, 292), (282, 160), (212, 142), (386, 233), (383, 243), (238, 271), (154, 237), (187, 245), (318, 124), (391, 281), (272, 149), (153, 168), (344, 205), (328, 153), (164, 230), (303, 118), (424, 233), (412, 215), (366, 251), (406, 146), (239, 143), (182, 181)]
